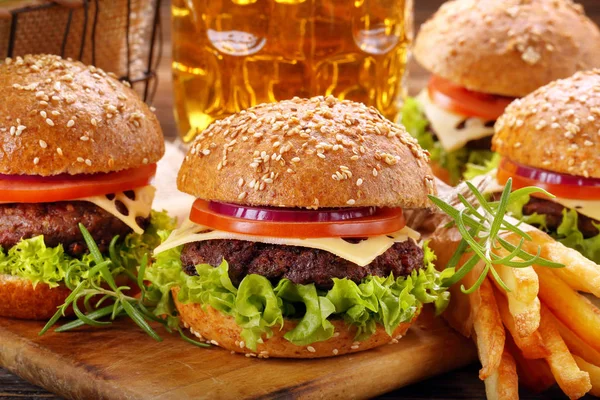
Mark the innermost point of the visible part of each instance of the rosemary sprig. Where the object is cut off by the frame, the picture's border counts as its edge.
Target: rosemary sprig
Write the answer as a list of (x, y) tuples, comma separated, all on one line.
[(99, 284), (481, 224)]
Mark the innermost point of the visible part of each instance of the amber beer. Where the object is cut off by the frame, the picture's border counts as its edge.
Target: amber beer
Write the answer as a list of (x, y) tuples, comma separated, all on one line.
[(231, 54)]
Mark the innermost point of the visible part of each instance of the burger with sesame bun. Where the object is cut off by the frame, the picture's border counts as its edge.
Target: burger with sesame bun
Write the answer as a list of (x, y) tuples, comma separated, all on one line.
[(550, 139), (482, 55), (297, 244), (77, 155)]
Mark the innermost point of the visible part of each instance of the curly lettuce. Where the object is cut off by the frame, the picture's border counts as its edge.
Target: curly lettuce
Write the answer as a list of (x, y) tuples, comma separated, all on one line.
[(31, 259), (567, 233), (259, 308), (459, 163)]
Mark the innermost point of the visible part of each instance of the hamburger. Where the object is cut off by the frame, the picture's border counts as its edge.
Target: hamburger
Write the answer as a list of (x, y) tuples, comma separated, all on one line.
[(550, 139), (297, 245), (482, 55), (78, 147)]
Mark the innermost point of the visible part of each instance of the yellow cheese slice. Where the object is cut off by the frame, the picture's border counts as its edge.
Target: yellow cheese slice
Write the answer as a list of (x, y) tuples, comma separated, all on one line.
[(361, 253), (140, 207), (444, 124)]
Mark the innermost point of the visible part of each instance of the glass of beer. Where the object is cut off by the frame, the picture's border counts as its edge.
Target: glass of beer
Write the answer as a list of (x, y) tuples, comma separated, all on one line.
[(229, 55)]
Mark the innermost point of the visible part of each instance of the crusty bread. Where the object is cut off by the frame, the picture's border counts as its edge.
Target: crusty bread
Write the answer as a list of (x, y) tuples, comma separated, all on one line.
[(508, 47), (556, 127), (213, 326), (318, 152), (20, 299), (59, 116)]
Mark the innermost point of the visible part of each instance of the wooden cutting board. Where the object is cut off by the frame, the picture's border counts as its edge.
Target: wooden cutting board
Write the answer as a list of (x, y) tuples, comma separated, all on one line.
[(123, 363)]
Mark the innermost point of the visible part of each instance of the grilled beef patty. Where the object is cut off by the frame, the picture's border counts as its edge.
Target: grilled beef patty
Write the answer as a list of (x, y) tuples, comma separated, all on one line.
[(301, 265), (58, 222), (553, 212)]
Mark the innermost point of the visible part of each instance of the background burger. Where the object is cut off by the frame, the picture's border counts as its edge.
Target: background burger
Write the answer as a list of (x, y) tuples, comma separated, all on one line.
[(296, 245), (482, 54), (550, 139), (76, 147)]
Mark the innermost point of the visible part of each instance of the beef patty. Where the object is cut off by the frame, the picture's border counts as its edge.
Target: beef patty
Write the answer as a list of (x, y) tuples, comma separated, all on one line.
[(553, 212), (58, 222), (301, 265)]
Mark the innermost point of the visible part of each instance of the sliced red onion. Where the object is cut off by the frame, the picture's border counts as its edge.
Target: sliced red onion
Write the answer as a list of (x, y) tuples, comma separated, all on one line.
[(290, 215)]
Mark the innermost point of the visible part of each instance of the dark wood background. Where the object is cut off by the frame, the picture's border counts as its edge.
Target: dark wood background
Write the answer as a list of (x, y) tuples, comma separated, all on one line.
[(461, 384)]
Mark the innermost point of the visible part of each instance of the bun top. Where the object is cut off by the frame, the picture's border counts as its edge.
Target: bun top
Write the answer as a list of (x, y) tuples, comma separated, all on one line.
[(556, 128), (309, 153), (508, 47), (59, 116)]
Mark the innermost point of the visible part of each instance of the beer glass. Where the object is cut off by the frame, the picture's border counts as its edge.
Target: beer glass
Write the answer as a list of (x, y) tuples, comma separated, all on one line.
[(229, 55)]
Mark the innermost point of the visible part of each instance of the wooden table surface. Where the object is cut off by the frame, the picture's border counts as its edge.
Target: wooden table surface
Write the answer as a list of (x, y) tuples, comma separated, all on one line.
[(460, 384)]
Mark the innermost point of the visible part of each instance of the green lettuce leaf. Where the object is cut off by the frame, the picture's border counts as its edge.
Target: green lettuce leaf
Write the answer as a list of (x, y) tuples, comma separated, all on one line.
[(33, 260), (481, 163), (455, 162), (567, 233), (259, 308)]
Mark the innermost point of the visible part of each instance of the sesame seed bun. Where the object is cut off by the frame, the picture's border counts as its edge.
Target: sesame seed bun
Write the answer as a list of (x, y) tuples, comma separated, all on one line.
[(212, 326), (556, 127), (318, 152), (20, 299), (508, 47), (59, 116)]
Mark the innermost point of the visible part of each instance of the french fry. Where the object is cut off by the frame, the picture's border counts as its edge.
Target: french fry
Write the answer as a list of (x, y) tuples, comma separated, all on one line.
[(574, 382), (526, 316), (574, 310), (503, 383), (531, 346), (593, 371), (533, 374), (522, 282), (576, 345), (580, 273), (489, 331)]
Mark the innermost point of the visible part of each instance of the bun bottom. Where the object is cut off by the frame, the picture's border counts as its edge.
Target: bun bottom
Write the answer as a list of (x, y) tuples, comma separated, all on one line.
[(20, 299), (211, 325)]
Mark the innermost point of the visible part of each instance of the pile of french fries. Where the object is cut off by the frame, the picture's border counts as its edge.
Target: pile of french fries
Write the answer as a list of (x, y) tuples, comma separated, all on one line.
[(544, 331)]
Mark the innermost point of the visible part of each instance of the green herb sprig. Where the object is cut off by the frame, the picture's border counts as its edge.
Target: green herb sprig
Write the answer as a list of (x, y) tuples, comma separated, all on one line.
[(481, 223), (99, 285)]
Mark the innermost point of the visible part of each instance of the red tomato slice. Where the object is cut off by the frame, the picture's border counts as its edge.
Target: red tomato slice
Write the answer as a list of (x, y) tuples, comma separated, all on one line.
[(462, 101), (561, 185), (39, 189), (384, 221)]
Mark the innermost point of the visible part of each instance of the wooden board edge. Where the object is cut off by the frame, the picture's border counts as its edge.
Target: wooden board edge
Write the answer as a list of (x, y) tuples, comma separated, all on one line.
[(18, 356)]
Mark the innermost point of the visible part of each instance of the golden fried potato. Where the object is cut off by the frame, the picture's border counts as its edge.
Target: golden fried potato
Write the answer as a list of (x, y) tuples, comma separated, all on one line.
[(503, 383)]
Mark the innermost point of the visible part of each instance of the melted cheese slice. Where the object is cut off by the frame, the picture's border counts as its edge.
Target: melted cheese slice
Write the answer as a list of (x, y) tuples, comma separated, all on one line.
[(589, 208), (444, 124), (140, 207), (361, 253)]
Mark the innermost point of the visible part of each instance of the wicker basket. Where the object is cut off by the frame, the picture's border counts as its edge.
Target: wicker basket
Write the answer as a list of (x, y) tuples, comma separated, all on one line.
[(115, 35)]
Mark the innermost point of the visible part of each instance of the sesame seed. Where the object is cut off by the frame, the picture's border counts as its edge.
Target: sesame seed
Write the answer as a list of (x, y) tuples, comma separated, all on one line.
[(311, 349), (295, 159), (70, 123), (375, 173), (206, 152), (241, 182), (242, 344), (43, 114), (49, 122), (59, 151), (320, 155), (588, 143), (354, 347), (36, 161), (43, 144), (88, 162), (242, 196), (335, 352), (351, 202), (359, 182), (84, 138), (80, 159), (145, 160), (94, 122)]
